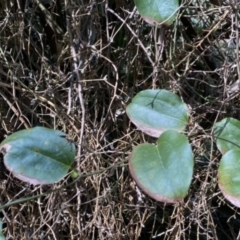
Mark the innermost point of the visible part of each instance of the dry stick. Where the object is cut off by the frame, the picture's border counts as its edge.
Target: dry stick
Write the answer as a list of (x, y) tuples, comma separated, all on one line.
[(134, 34), (202, 40), (80, 95), (114, 94), (116, 82), (15, 111), (69, 99), (237, 46), (159, 47), (49, 18), (42, 99), (25, 199)]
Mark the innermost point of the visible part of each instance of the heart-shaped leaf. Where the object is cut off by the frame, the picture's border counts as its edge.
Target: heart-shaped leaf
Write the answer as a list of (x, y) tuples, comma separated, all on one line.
[(229, 176), (158, 11), (163, 171), (155, 111), (38, 155), (227, 133)]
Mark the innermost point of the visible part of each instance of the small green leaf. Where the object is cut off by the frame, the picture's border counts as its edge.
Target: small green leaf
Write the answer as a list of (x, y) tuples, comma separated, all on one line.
[(164, 171), (159, 11), (229, 176), (74, 174), (38, 155), (227, 133), (155, 111)]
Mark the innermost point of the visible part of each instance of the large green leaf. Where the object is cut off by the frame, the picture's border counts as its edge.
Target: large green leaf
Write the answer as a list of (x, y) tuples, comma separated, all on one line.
[(154, 111), (159, 11), (38, 155), (163, 171), (229, 176), (227, 133)]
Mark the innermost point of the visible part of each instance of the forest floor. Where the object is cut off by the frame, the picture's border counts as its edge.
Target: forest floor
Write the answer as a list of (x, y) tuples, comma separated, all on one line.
[(74, 66)]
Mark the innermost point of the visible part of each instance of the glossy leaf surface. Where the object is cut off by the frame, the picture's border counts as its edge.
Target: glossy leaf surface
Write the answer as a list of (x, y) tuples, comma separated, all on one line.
[(155, 111), (158, 11), (38, 155), (164, 171), (229, 176), (227, 134)]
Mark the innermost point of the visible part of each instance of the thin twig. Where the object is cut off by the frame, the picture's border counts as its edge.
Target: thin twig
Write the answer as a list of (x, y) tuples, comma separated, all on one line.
[(80, 94)]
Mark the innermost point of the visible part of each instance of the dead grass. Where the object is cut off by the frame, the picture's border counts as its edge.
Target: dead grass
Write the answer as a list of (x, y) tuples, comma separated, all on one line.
[(73, 66)]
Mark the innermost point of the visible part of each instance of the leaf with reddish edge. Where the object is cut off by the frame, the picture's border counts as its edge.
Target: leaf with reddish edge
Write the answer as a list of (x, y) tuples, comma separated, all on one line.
[(229, 176), (164, 171), (38, 155), (158, 11), (155, 111)]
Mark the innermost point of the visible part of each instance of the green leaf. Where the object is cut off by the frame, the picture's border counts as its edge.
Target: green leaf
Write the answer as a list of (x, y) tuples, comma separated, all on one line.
[(229, 176), (164, 171), (159, 11), (38, 155), (2, 237), (75, 174), (227, 133), (155, 111)]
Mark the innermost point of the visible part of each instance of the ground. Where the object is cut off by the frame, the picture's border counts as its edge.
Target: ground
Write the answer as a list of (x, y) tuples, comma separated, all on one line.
[(74, 66)]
